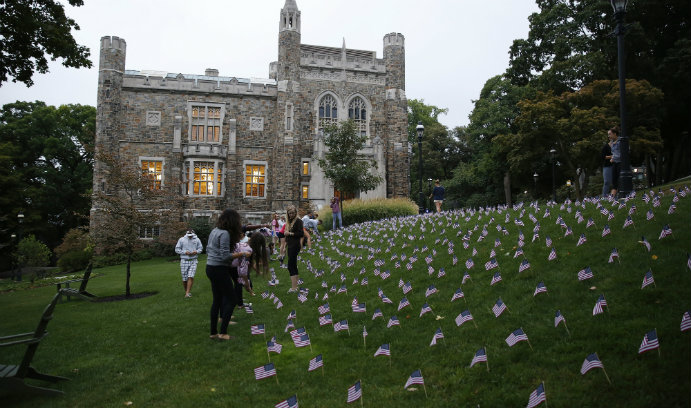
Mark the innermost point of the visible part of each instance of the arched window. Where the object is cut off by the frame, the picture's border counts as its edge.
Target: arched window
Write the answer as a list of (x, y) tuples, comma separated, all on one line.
[(328, 112), (357, 112)]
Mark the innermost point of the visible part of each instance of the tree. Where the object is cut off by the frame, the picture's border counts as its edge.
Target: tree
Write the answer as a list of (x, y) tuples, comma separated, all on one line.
[(46, 164), (30, 30), (123, 211), (348, 170)]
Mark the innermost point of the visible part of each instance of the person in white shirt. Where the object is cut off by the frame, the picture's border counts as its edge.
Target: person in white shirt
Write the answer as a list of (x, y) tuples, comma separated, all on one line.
[(188, 247)]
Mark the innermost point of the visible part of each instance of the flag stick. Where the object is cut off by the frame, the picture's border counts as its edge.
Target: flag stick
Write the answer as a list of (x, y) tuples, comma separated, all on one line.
[(544, 390), (507, 308), (276, 378), (475, 323), (487, 361), (322, 368), (604, 371), (423, 384), (268, 354), (658, 346), (310, 346), (567, 328), (528, 340)]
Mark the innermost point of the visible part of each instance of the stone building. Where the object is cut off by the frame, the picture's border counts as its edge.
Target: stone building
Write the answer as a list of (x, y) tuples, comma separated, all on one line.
[(253, 144)]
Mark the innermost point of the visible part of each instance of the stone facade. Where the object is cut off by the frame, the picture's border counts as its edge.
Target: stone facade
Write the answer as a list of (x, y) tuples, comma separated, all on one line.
[(253, 144)]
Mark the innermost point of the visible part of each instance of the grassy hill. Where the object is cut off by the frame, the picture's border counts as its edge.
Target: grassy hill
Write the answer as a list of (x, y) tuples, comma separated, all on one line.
[(155, 351)]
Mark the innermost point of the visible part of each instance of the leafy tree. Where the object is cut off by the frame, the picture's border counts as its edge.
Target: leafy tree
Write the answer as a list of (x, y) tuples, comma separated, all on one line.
[(348, 170), (31, 30), (46, 167), (32, 252), (123, 211)]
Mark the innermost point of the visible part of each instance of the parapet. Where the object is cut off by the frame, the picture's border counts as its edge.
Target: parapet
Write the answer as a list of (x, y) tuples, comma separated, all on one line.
[(113, 42), (394, 39)]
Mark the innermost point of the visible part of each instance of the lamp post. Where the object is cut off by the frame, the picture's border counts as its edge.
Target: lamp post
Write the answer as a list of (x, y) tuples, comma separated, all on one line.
[(553, 157), (535, 177), (420, 132), (429, 188), (625, 176)]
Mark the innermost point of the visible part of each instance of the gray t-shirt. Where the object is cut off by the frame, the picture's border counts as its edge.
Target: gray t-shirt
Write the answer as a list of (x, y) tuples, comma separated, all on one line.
[(218, 248)]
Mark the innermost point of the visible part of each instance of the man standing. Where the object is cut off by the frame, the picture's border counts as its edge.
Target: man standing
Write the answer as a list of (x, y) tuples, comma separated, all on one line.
[(188, 247), (336, 212), (437, 195)]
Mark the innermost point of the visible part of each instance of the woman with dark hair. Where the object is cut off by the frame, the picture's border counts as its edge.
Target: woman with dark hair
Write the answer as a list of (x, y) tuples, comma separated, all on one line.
[(227, 233), (259, 260), (294, 232)]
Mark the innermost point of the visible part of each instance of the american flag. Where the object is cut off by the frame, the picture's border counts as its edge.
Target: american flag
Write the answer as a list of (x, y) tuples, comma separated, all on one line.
[(385, 275), (428, 259), (454, 261), (342, 289), (666, 231), (523, 266), (581, 240), (324, 308), (466, 276), (649, 342), (649, 215), (491, 264), (629, 221), (498, 307), (648, 279), (474, 251), (400, 282), (364, 331), (386, 299), (363, 282), (291, 402), (606, 230), (590, 362), (393, 322), (540, 288), (685, 321), (430, 291), (383, 350), (292, 315), (265, 294), (342, 325), (316, 363), (535, 237), (257, 329), (425, 309), (302, 298), (469, 263), (601, 301), (457, 294), (465, 316), (496, 278), (415, 378), (645, 243), (271, 345), (324, 320), (377, 313), (568, 231), (672, 208), (480, 356), (354, 392), (613, 254), (326, 296), (585, 273), (437, 335), (441, 273), (403, 303), (548, 241), (297, 333), (302, 341), (359, 308), (497, 243), (515, 337), (558, 317), (552, 255), (279, 304), (264, 371), (492, 254), (590, 223), (518, 252), (290, 325), (537, 397)]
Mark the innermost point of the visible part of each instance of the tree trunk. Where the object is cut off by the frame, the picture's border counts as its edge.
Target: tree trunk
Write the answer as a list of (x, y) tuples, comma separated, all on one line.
[(127, 284), (507, 187)]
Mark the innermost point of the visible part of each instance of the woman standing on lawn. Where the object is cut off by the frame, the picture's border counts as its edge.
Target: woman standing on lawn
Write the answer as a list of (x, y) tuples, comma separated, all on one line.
[(225, 236), (293, 232)]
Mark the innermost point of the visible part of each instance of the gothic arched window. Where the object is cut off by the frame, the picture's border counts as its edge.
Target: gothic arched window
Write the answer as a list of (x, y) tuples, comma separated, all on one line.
[(357, 112), (328, 112)]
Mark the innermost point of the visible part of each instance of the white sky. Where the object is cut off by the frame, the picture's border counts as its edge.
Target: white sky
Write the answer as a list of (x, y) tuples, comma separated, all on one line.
[(452, 46)]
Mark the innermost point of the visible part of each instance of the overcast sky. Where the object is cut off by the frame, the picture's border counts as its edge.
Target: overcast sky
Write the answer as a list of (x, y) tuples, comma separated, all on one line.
[(452, 46)]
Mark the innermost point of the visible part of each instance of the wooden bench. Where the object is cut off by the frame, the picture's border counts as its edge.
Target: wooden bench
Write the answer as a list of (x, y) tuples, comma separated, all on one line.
[(12, 377), (81, 291)]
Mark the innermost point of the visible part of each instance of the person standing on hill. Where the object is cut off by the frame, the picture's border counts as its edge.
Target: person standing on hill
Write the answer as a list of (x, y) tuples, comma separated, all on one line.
[(188, 247), (606, 156), (437, 195), (294, 231), (336, 212), (613, 134)]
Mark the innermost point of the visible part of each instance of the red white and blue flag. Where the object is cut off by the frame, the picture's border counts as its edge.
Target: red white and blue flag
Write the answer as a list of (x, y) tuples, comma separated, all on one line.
[(403, 303), (523, 266), (393, 321), (377, 313), (407, 288), (612, 255), (581, 240), (264, 371), (648, 279), (540, 288), (552, 255), (257, 329), (498, 307), (590, 362), (645, 243), (354, 392), (324, 308), (537, 397), (495, 279), (430, 291), (480, 356), (457, 294), (437, 335), (558, 318), (425, 309), (359, 308), (271, 345), (491, 264), (685, 321), (342, 325), (415, 378), (606, 230), (585, 273), (291, 402), (302, 341), (601, 301), (515, 337), (466, 276), (324, 320), (649, 342), (469, 263), (463, 317), (383, 350)]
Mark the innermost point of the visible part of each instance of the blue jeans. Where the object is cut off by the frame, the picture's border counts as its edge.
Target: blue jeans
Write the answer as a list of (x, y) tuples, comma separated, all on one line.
[(606, 180), (340, 220)]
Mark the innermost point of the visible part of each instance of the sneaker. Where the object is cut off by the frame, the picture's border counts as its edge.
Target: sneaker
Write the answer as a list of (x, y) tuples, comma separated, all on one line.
[(291, 290), (188, 295)]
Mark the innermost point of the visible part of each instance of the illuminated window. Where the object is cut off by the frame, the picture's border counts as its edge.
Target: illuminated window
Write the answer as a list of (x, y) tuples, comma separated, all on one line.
[(204, 178), (328, 111), (149, 232), (153, 170), (305, 192), (205, 123), (305, 168), (255, 179), (357, 112)]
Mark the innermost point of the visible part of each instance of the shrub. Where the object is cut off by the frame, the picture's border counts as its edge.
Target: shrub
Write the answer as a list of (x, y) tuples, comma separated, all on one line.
[(358, 211), (74, 260), (75, 251), (120, 258), (32, 252)]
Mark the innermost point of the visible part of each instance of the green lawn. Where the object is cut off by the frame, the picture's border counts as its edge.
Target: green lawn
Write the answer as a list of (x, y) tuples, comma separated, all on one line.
[(155, 351)]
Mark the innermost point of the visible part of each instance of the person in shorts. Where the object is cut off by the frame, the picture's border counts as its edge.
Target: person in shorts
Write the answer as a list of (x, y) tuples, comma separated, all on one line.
[(188, 247)]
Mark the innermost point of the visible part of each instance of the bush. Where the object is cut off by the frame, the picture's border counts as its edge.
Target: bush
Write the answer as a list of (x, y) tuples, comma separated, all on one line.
[(74, 260), (32, 252), (120, 258), (75, 251), (359, 211)]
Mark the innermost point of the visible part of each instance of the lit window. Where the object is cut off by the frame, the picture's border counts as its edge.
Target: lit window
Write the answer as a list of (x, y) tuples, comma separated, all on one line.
[(328, 112), (149, 232), (153, 170), (205, 123), (255, 180), (305, 192), (357, 112), (305, 168), (204, 178)]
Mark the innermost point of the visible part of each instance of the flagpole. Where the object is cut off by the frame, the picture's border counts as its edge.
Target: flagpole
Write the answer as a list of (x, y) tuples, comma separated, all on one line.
[(486, 358), (658, 345), (567, 328), (528, 340), (544, 391), (423, 383), (361, 395), (603, 370)]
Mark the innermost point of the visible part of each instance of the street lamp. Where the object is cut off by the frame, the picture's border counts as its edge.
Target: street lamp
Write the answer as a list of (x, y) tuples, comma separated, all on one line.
[(420, 132), (625, 176), (553, 157), (535, 177)]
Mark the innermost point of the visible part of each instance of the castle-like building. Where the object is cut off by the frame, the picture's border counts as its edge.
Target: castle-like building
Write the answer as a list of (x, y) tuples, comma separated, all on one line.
[(253, 144)]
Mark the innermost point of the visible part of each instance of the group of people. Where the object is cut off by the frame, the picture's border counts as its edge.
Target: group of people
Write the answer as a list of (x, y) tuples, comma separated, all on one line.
[(611, 161)]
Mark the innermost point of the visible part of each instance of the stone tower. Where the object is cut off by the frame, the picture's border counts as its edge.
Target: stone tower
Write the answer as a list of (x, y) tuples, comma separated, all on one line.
[(396, 107)]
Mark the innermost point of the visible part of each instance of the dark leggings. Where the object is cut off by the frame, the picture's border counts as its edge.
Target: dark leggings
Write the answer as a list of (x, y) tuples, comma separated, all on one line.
[(223, 297), (293, 260)]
